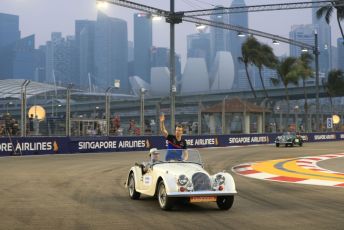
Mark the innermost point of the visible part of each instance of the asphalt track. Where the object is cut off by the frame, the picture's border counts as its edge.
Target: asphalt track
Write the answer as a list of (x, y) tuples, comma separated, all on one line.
[(86, 191)]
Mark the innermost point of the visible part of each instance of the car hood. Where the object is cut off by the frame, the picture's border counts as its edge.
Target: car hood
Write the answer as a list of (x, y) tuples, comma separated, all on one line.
[(177, 169)]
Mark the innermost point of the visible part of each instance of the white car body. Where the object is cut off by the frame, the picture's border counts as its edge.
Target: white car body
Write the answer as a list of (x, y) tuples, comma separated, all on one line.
[(181, 179)]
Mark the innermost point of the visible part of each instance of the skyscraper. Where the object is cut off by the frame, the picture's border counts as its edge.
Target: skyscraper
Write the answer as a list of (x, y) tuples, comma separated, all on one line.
[(9, 34), (142, 45), (324, 41), (301, 33), (160, 57), (218, 36), (340, 47), (9, 29), (111, 52), (198, 46), (234, 41), (84, 41), (59, 59), (24, 59)]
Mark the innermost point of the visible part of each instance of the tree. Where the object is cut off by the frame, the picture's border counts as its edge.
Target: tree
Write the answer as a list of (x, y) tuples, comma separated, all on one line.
[(287, 73), (249, 51), (327, 11), (265, 58), (305, 71), (335, 84)]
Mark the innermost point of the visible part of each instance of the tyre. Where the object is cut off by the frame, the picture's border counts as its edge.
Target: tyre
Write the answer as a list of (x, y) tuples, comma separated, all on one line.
[(292, 144), (225, 202), (300, 143), (277, 144), (165, 202), (133, 194)]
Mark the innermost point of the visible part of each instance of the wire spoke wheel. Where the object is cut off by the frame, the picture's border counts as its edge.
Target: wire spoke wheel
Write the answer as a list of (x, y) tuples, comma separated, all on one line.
[(131, 188), (165, 202)]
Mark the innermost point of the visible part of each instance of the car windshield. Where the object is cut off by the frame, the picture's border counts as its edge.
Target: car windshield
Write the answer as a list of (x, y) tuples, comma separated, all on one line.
[(289, 134), (176, 155)]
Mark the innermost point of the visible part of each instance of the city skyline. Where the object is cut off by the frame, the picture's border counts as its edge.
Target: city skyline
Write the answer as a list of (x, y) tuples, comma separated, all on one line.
[(53, 22)]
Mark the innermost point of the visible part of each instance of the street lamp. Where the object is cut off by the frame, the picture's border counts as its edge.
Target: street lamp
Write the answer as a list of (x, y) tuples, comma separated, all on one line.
[(316, 54), (102, 5), (23, 107), (304, 50), (201, 28), (240, 34), (68, 109), (296, 110), (223, 118), (7, 104), (279, 109), (117, 85), (142, 109), (156, 17), (275, 42), (96, 112)]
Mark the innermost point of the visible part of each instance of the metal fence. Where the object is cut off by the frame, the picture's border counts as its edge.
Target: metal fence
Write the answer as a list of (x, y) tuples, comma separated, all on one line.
[(71, 114)]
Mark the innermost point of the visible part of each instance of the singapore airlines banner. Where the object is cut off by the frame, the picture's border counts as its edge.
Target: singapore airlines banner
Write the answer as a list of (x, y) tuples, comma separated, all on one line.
[(65, 145)]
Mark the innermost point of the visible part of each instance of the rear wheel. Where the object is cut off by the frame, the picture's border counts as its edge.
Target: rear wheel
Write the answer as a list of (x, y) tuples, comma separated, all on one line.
[(133, 194), (299, 142), (225, 202), (165, 202), (277, 144)]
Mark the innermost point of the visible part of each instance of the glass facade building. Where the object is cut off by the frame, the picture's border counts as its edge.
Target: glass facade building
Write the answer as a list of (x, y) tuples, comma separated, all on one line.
[(142, 45), (111, 52)]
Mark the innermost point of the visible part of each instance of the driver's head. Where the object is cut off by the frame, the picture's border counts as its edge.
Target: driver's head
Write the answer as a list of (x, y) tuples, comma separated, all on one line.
[(179, 131), (154, 154)]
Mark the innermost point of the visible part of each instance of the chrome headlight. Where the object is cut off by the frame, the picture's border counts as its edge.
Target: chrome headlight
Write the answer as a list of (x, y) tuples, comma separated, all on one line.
[(183, 180), (220, 179)]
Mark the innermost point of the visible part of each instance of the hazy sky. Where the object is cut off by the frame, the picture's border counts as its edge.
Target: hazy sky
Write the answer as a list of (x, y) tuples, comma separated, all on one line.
[(41, 17)]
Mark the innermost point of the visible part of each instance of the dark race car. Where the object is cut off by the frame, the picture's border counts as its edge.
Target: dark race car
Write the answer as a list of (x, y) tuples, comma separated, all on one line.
[(289, 139)]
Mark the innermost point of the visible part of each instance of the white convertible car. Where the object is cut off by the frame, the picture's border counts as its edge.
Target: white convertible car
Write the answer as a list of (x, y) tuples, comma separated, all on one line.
[(172, 175)]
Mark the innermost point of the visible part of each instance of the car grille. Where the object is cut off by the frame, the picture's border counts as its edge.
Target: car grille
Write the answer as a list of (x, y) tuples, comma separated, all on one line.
[(201, 182)]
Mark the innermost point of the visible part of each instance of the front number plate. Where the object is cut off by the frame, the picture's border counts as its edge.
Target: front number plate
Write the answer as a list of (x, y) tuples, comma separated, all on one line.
[(195, 199)]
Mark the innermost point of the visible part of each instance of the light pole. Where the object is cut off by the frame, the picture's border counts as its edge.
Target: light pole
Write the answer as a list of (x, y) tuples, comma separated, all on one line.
[(296, 109), (68, 109), (279, 110), (117, 85), (223, 117), (142, 109), (7, 104), (23, 107), (316, 54), (173, 19), (96, 111)]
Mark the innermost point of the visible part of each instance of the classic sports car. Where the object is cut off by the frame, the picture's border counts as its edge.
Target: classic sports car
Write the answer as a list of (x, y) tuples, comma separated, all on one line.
[(289, 138), (176, 179)]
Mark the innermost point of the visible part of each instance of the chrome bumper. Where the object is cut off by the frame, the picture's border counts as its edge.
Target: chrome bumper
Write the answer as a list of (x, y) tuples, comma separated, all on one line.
[(200, 193)]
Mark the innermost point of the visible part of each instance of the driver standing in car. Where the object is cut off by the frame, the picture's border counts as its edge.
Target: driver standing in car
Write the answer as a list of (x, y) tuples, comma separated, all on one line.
[(175, 142)]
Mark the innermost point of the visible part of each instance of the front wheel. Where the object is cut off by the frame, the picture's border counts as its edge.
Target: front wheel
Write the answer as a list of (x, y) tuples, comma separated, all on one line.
[(277, 144), (165, 202), (133, 194), (225, 202)]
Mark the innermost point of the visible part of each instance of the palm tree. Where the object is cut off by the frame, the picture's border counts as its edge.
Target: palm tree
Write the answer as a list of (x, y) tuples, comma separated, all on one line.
[(305, 71), (249, 51), (265, 58), (287, 74), (327, 11), (335, 84)]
